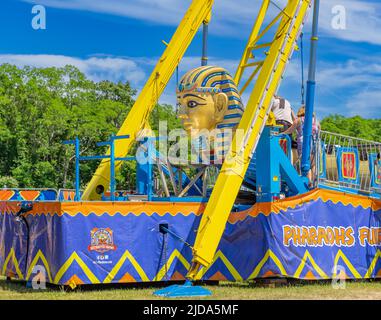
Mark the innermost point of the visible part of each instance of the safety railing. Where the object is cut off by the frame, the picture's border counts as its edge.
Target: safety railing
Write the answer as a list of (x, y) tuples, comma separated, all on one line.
[(348, 163)]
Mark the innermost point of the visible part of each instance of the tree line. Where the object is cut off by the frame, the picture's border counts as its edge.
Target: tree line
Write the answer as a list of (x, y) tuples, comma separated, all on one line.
[(42, 107)]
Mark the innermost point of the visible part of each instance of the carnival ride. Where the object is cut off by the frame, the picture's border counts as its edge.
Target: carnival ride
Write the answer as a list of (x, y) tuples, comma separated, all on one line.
[(202, 222)]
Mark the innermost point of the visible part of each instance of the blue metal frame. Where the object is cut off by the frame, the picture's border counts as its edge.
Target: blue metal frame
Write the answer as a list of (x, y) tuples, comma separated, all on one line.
[(76, 144), (310, 99), (277, 168), (204, 58), (144, 172), (111, 156)]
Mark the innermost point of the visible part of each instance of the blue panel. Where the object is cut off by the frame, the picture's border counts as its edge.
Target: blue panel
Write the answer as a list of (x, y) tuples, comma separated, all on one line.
[(348, 165), (322, 161), (375, 170)]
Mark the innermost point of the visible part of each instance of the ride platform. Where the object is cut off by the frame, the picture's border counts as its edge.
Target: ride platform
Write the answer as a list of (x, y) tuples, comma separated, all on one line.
[(319, 235)]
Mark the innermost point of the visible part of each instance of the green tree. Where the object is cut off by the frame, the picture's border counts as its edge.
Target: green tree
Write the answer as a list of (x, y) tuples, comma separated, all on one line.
[(42, 107), (357, 126)]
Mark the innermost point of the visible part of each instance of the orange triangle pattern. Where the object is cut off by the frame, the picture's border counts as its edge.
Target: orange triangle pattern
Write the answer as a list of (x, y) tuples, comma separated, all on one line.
[(6, 195), (269, 274), (177, 276), (11, 274), (74, 281), (218, 276), (127, 278), (30, 195), (68, 195), (310, 276)]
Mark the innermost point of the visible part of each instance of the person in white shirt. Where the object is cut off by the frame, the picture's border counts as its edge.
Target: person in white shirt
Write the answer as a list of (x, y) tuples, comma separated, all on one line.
[(284, 115)]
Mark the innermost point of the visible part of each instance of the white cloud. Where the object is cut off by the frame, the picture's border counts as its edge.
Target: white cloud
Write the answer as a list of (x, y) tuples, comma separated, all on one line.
[(96, 68), (363, 20), (367, 103), (235, 18), (351, 87)]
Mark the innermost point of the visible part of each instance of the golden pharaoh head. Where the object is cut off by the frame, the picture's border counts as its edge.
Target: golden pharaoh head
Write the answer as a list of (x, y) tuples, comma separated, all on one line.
[(208, 99)]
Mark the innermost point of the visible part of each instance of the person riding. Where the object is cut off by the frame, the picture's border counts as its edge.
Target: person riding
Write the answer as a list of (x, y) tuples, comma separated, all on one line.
[(284, 115), (298, 126)]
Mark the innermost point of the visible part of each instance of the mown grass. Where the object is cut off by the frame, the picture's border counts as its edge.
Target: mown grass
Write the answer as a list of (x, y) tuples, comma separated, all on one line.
[(16, 290)]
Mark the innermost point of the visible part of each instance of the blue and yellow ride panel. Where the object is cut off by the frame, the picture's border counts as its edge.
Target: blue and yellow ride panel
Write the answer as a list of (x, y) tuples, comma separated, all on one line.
[(304, 237)]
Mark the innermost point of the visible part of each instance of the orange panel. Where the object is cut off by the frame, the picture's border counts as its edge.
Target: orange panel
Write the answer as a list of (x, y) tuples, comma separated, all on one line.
[(29, 195), (6, 194)]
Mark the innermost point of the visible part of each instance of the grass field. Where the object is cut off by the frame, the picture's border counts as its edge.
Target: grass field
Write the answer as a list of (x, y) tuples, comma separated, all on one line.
[(15, 290)]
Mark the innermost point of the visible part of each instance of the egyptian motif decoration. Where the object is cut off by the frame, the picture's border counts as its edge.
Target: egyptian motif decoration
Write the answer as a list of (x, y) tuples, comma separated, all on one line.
[(377, 170), (209, 100), (348, 167)]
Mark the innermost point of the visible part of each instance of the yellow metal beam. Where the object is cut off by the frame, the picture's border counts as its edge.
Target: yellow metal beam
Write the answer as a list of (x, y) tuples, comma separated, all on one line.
[(252, 39), (198, 12), (251, 125)]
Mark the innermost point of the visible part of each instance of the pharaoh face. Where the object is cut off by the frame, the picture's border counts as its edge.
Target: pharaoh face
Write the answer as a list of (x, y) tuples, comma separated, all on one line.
[(201, 110), (208, 98)]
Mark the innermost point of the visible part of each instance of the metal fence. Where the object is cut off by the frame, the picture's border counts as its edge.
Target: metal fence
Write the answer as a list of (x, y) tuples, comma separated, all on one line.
[(348, 163)]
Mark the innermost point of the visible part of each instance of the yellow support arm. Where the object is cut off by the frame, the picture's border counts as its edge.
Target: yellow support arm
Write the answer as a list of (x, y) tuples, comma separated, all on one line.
[(252, 40), (198, 12), (245, 141)]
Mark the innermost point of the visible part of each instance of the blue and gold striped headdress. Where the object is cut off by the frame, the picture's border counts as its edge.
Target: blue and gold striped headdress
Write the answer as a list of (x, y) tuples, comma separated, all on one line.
[(215, 80)]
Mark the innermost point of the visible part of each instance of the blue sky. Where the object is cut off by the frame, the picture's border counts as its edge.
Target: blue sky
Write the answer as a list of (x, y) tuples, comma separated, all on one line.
[(121, 40)]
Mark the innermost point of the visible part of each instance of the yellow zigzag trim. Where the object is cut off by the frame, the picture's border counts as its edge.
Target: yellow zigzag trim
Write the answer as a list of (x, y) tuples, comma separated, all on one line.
[(226, 262), (219, 255), (373, 264), (84, 267), (269, 254), (115, 270), (314, 264), (341, 255), (38, 256), (15, 262), (175, 254)]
